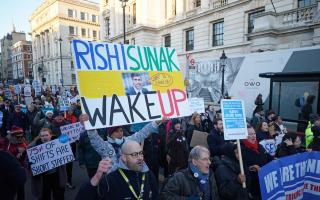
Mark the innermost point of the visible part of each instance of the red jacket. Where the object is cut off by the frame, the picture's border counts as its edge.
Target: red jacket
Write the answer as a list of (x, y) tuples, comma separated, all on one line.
[(71, 118)]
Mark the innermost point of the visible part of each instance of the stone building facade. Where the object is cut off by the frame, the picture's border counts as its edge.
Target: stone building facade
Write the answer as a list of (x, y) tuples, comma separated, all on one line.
[(22, 61), (54, 24)]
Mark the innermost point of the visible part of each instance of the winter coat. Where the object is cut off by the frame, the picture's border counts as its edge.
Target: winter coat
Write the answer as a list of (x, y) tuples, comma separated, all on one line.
[(113, 186), (12, 175), (71, 118), (44, 122), (184, 185), (151, 149), (215, 142), (5, 117), (226, 173), (17, 119), (34, 129), (86, 154), (107, 150)]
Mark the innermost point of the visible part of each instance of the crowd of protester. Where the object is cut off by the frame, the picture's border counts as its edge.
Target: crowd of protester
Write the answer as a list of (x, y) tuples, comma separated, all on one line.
[(152, 161)]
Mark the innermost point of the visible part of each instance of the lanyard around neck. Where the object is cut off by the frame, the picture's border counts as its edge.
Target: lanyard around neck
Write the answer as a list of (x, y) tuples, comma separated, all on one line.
[(130, 186)]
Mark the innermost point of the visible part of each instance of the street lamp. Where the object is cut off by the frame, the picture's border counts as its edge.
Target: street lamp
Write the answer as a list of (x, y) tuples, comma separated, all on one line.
[(223, 60), (60, 40), (123, 2)]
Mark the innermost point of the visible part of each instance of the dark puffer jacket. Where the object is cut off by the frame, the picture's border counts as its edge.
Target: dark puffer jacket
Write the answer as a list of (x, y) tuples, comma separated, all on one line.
[(227, 171), (184, 185)]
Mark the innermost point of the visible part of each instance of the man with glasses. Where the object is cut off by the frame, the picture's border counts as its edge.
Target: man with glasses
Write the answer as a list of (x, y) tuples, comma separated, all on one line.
[(195, 182), (137, 85), (132, 179)]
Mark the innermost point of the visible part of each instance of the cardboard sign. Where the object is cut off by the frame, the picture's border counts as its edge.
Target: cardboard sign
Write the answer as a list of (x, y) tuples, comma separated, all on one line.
[(72, 131), (291, 177), (126, 84), (234, 119), (196, 105), (27, 90), (49, 155), (199, 138)]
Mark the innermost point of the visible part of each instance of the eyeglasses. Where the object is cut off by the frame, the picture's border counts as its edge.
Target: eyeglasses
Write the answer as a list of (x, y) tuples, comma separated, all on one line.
[(137, 79), (135, 154)]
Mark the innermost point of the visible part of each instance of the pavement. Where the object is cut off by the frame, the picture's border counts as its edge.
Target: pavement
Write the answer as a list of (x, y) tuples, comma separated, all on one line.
[(79, 176)]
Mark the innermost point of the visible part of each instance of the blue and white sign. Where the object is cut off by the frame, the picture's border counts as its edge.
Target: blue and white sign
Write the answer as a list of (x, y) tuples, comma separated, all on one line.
[(1, 117), (291, 177), (7, 94), (17, 89), (234, 119)]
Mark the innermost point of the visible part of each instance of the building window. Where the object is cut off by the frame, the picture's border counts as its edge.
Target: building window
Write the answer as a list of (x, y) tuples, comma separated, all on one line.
[(94, 18), (94, 34), (133, 41), (107, 20), (251, 18), (126, 42), (70, 13), (83, 32), (167, 40), (71, 65), (71, 30), (217, 36), (82, 16), (73, 79), (304, 3), (189, 40), (197, 3), (134, 15)]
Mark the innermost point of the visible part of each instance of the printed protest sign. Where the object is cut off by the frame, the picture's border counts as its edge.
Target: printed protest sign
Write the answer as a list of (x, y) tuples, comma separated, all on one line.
[(72, 131), (291, 177), (16, 89), (49, 155), (234, 119), (37, 88), (196, 105), (27, 90), (126, 84), (7, 94), (64, 104), (269, 145), (1, 117)]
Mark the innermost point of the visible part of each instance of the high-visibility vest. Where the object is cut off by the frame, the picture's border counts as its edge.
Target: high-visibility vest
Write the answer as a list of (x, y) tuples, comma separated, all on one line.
[(309, 134)]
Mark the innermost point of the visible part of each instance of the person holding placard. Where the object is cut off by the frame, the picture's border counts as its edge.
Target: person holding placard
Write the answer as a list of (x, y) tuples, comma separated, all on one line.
[(111, 147), (228, 175), (216, 139), (52, 182), (132, 179), (195, 124)]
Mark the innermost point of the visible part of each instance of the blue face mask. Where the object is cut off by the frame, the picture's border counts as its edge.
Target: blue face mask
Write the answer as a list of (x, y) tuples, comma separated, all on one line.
[(118, 141)]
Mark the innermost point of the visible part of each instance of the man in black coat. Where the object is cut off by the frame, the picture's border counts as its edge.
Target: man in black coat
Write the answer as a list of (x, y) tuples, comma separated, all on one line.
[(216, 139), (17, 118), (132, 179)]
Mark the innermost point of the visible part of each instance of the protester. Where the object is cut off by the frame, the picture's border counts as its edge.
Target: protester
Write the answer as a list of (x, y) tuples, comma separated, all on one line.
[(314, 121), (255, 156), (259, 102), (270, 115), (291, 144), (211, 113), (33, 129), (216, 139), (13, 176), (43, 121), (306, 110), (6, 109), (315, 144), (177, 148), (52, 182), (258, 116), (195, 124), (262, 131), (151, 149), (17, 118), (195, 182), (279, 124), (228, 176), (111, 147), (17, 144), (88, 158), (70, 116), (132, 179)]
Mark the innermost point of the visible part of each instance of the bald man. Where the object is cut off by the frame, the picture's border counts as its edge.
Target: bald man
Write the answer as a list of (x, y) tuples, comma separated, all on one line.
[(132, 179)]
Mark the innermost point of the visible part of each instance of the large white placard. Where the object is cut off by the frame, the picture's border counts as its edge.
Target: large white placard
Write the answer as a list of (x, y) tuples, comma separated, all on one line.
[(49, 155)]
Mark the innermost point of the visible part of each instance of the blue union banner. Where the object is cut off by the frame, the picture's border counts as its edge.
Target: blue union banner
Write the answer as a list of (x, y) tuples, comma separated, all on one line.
[(292, 177)]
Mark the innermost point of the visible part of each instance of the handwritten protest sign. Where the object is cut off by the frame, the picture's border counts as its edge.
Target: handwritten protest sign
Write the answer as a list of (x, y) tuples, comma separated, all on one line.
[(234, 119), (72, 131), (291, 177), (196, 105), (49, 155), (126, 84)]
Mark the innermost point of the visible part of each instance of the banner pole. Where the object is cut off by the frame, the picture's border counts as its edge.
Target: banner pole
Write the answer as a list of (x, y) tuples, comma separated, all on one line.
[(241, 162)]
